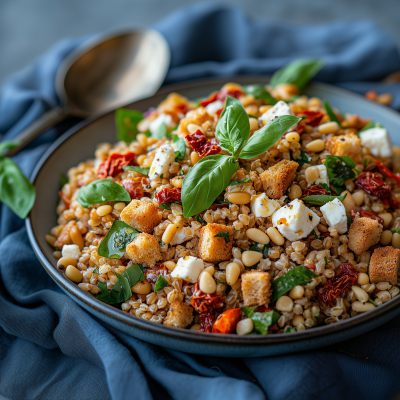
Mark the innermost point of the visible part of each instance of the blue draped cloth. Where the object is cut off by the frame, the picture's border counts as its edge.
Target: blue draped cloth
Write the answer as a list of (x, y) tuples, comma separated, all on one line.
[(50, 348)]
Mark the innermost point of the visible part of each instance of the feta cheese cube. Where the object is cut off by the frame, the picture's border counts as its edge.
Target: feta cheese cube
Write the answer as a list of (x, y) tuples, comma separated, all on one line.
[(71, 250), (213, 107), (323, 175), (262, 207), (335, 215), (162, 118), (188, 268), (183, 235), (295, 221), (378, 142), (279, 109), (165, 156)]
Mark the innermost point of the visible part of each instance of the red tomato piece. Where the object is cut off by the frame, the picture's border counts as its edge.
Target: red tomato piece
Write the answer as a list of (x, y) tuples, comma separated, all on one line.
[(227, 321), (65, 199), (168, 196), (369, 214), (114, 164), (315, 190), (134, 188), (201, 145)]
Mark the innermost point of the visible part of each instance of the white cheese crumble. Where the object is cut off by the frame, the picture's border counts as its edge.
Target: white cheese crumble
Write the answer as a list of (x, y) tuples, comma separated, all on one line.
[(378, 142), (71, 250), (165, 156), (188, 269), (335, 215), (262, 207), (279, 109)]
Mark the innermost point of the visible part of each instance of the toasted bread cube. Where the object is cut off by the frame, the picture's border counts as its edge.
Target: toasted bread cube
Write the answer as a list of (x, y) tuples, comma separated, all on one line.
[(63, 237), (180, 315), (346, 145), (214, 249), (141, 215), (278, 178), (256, 288), (384, 265), (364, 233), (144, 249)]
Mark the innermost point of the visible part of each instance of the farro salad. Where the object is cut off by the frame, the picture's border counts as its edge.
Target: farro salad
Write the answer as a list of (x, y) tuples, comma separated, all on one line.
[(256, 210)]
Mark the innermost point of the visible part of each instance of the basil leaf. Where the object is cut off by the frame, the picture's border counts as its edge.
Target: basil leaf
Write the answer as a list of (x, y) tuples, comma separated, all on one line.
[(205, 181), (101, 191), (224, 235), (126, 122), (255, 247), (339, 170), (349, 220), (252, 116), (261, 93), (370, 125), (161, 282), (141, 170), (160, 132), (218, 281), (324, 185), (116, 240), (315, 234), (105, 295), (265, 251), (320, 200), (303, 158), (267, 136), (234, 183), (331, 113), (296, 276), (167, 206), (289, 329), (200, 219), (262, 320), (298, 72), (95, 271), (8, 145), (63, 180), (181, 145), (396, 231), (233, 128), (326, 261), (15, 189)]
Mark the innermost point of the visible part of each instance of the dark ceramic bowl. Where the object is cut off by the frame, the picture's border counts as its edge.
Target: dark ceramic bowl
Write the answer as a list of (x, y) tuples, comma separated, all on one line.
[(79, 144)]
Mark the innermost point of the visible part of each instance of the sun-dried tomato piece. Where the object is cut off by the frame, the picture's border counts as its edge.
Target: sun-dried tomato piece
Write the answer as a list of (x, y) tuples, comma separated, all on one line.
[(340, 282), (168, 196), (384, 170), (372, 184), (210, 99), (315, 190), (369, 214), (312, 118), (227, 321), (205, 305), (201, 145), (217, 206), (114, 164), (153, 273), (134, 187), (310, 266), (221, 95), (65, 199)]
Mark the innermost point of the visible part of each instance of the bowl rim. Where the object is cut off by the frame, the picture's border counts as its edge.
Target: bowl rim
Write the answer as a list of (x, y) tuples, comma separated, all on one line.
[(185, 334)]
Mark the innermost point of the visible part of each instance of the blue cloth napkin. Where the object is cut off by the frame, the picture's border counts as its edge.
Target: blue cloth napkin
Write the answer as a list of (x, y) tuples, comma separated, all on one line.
[(50, 348)]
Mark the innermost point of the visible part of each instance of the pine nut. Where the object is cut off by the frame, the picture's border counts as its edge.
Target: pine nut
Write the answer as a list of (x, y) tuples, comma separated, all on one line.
[(170, 265), (250, 257), (316, 146), (396, 240), (297, 320), (244, 327), (50, 240), (360, 307), (295, 192), (284, 304), (386, 237), (292, 137), (76, 237), (169, 233), (192, 128), (275, 236), (348, 202), (177, 181), (65, 261), (238, 197), (361, 294), (257, 235), (253, 124), (103, 210), (363, 278), (358, 197), (311, 174), (73, 274), (387, 219), (194, 157), (57, 254), (210, 270), (142, 287), (142, 139), (119, 206), (232, 273), (383, 285), (297, 292), (207, 283), (329, 127), (195, 327)]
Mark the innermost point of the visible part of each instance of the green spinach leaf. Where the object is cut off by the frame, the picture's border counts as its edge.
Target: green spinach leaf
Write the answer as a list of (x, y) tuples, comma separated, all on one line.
[(261, 93), (224, 235), (331, 113), (126, 122), (141, 170), (303, 158), (101, 191), (320, 200), (296, 276), (116, 240), (161, 282), (181, 145), (262, 320)]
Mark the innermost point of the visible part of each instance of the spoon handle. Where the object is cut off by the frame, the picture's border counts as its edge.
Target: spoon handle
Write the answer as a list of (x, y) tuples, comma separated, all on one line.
[(46, 121)]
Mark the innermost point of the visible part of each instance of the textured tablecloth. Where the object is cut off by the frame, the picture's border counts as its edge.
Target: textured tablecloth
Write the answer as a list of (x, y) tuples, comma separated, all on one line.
[(50, 348)]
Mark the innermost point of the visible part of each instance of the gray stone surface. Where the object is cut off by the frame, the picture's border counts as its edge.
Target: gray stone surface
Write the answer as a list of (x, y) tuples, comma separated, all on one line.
[(30, 27)]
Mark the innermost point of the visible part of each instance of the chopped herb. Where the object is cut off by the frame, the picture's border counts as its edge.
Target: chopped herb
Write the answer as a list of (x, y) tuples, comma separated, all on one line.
[(218, 281), (234, 183), (371, 301), (140, 170), (57, 249), (331, 113), (224, 235), (161, 176), (365, 163), (396, 231), (161, 282), (349, 220), (161, 131), (320, 200), (303, 158), (167, 206), (96, 271), (144, 269), (326, 261), (262, 320), (317, 315), (255, 247), (289, 329), (162, 244), (265, 251), (286, 200), (200, 219), (339, 169), (315, 234), (181, 173), (63, 180), (324, 185), (252, 116)]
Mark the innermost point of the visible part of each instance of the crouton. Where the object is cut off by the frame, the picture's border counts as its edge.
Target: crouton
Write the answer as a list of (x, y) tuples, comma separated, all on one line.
[(214, 249), (180, 315), (144, 249), (197, 117), (64, 237), (278, 178), (256, 288), (364, 233), (141, 215), (346, 145), (384, 265)]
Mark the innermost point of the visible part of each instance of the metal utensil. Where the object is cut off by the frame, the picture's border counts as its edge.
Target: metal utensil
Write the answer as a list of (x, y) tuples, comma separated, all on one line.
[(105, 72)]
